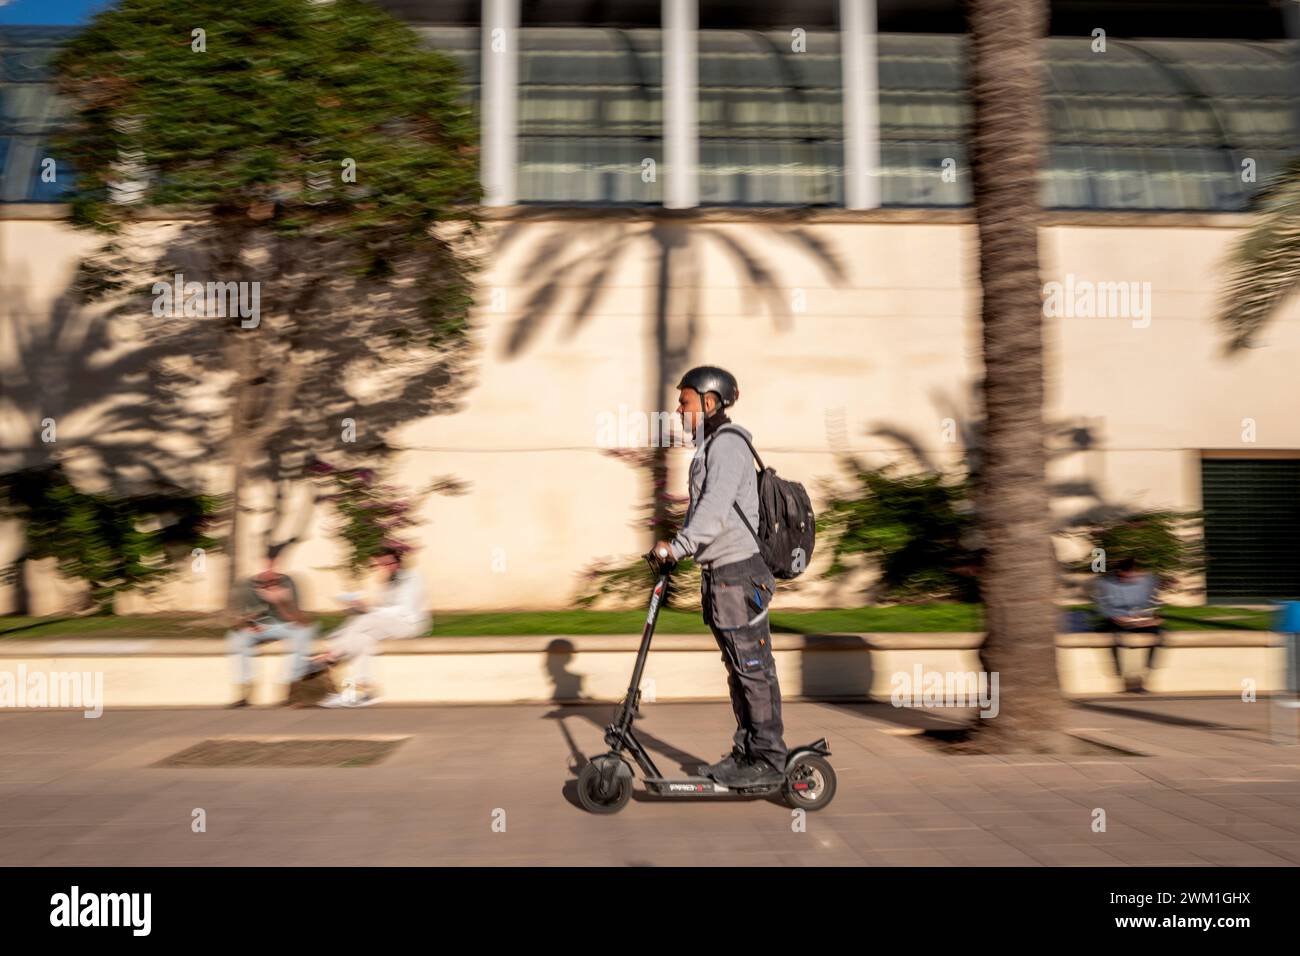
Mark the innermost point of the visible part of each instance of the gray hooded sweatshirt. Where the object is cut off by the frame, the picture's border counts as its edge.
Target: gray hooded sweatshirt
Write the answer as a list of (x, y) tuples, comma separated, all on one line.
[(714, 533)]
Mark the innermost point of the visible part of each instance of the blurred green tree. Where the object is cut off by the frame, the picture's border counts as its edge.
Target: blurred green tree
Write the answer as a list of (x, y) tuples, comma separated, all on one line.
[(314, 157)]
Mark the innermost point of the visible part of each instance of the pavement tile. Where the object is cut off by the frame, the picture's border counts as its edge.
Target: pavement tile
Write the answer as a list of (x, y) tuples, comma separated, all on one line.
[(1071, 854), (1155, 854), (85, 795), (988, 856), (1235, 854)]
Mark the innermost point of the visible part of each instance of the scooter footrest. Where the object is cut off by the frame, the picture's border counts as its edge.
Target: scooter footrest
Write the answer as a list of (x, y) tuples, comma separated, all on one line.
[(687, 785)]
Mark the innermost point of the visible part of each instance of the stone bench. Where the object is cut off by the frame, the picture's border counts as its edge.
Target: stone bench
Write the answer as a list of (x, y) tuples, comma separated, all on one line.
[(159, 672)]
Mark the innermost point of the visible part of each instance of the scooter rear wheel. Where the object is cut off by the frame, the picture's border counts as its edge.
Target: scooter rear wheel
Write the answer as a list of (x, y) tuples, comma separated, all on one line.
[(810, 783), (594, 796)]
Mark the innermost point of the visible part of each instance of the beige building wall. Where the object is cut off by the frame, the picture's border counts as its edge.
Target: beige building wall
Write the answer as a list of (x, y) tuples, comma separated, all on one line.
[(843, 330)]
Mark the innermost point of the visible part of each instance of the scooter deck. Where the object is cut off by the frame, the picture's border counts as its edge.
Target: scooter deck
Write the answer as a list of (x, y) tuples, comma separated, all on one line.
[(703, 787)]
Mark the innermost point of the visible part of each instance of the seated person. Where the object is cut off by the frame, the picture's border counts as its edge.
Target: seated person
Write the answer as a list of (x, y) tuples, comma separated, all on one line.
[(267, 609), (1126, 599), (399, 614)]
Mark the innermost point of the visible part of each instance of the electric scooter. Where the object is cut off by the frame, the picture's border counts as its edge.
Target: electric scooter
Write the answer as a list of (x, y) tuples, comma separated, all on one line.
[(605, 783)]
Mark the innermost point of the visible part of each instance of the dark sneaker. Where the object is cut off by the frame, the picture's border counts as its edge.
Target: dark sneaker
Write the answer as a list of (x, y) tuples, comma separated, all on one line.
[(751, 773), (728, 764)]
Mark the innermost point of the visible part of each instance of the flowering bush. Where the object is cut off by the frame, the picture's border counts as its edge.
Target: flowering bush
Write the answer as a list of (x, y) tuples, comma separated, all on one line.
[(372, 514)]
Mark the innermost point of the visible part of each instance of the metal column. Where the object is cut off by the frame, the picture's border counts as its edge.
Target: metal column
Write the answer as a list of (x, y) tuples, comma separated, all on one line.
[(500, 96), (681, 132), (861, 104)]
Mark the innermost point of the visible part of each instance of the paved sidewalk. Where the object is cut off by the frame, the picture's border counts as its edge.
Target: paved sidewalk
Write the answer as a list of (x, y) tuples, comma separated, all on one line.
[(83, 792)]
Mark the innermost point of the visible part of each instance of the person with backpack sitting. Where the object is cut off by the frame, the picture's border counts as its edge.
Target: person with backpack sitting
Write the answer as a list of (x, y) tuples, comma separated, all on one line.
[(737, 586)]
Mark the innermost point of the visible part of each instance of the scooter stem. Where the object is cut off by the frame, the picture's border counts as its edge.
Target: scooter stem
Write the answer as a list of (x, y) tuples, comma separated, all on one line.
[(652, 618)]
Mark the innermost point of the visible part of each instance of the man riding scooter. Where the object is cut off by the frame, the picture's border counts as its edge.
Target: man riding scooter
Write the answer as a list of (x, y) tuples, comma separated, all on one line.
[(736, 585)]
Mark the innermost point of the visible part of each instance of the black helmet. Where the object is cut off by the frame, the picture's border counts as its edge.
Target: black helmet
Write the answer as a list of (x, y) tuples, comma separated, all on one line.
[(710, 378)]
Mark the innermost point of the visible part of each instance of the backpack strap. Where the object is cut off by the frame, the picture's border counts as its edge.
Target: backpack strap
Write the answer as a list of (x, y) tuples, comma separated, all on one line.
[(735, 504), (735, 431), (753, 533)]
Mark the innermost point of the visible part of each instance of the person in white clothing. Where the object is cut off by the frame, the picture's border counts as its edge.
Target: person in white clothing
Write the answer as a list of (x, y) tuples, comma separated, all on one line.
[(399, 614)]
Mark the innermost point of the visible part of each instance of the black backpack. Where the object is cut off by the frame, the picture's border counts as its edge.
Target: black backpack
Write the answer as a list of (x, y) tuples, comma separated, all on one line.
[(787, 528)]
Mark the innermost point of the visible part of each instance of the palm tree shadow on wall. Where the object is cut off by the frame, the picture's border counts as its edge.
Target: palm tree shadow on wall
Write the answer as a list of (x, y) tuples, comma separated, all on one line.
[(674, 318), (960, 424), (297, 373), (158, 386), (828, 675), (113, 422)]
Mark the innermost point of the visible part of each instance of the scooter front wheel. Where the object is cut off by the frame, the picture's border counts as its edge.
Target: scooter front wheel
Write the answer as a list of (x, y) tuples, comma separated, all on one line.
[(810, 783), (595, 795)]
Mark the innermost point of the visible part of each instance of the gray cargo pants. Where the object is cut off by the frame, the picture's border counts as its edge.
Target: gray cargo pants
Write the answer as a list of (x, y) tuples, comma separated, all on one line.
[(736, 598)]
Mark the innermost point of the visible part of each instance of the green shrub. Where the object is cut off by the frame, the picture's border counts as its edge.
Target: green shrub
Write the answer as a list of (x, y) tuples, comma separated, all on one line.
[(1166, 543), (915, 527), (113, 543)]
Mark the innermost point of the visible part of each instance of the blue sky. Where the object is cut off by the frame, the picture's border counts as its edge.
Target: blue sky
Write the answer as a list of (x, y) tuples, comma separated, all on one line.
[(49, 12)]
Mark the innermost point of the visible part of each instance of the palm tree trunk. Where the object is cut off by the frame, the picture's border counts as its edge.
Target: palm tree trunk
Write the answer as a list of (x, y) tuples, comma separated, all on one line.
[(1018, 580)]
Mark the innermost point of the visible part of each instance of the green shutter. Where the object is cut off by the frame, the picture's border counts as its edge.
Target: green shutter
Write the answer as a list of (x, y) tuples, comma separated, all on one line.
[(1252, 529)]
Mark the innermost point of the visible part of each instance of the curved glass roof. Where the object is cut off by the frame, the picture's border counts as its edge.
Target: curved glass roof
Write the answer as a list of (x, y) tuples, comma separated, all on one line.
[(1150, 124), (590, 116), (769, 119)]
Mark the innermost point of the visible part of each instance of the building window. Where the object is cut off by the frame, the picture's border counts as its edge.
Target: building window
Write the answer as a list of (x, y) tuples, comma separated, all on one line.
[(770, 119), (590, 116), (1149, 125), (1252, 528)]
